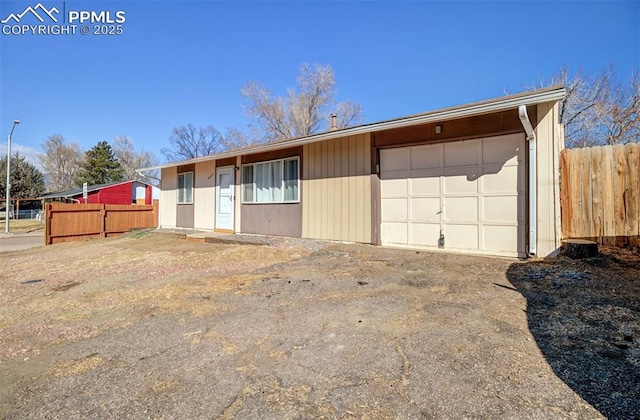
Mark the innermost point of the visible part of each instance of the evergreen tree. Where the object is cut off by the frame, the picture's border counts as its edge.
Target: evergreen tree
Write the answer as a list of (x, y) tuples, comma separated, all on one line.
[(26, 180), (99, 166)]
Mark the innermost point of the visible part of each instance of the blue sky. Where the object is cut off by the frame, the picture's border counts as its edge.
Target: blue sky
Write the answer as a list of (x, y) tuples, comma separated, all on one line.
[(180, 62)]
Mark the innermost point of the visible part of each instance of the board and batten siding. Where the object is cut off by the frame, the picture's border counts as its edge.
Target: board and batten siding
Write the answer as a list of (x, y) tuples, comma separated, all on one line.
[(336, 189), (204, 192), (168, 198)]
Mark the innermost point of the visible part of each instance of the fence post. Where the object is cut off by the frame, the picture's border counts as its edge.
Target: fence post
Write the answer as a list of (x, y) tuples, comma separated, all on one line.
[(103, 221), (155, 213), (47, 224)]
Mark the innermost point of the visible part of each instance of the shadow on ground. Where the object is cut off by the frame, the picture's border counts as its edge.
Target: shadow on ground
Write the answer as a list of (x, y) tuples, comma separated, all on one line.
[(585, 317)]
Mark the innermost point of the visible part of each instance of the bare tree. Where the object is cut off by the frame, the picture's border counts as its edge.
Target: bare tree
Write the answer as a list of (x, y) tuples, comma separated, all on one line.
[(620, 113), (60, 163), (236, 138), (598, 109), (189, 142), (349, 114), (303, 111), (131, 160)]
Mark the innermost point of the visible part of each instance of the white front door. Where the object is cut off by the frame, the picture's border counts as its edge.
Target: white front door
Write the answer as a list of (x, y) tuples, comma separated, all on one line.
[(224, 198)]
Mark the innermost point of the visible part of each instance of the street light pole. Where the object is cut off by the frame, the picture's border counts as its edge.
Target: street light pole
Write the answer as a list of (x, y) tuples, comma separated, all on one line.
[(7, 203)]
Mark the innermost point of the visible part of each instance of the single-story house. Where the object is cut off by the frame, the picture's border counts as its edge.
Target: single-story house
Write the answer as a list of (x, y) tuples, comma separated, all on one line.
[(479, 178), (122, 192)]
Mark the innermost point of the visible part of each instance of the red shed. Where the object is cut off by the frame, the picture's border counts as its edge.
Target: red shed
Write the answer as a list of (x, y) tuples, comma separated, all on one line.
[(112, 194), (125, 192)]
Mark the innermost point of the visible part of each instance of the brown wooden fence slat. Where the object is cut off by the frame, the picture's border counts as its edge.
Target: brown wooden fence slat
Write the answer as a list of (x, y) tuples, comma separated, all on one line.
[(73, 222), (607, 190), (600, 194), (566, 209), (638, 206), (638, 166), (586, 223), (619, 171), (575, 197), (632, 198), (596, 193)]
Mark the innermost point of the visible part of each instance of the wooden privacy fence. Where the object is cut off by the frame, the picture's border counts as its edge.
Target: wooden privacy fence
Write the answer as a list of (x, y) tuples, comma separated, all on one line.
[(74, 222), (600, 194)]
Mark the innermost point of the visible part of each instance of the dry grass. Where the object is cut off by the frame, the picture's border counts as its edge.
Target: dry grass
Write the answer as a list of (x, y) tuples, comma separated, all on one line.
[(22, 226), (77, 367), (92, 286), (164, 386)]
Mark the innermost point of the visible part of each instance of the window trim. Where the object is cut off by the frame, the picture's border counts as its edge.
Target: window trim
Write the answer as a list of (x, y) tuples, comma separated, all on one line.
[(255, 191), (178, 187)]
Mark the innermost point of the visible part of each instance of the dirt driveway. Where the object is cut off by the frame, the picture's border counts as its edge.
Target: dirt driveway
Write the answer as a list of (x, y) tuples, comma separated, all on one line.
[(154, 326)]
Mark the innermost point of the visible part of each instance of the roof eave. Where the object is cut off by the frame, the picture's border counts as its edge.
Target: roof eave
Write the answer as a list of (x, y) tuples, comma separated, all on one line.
[(93, 188), (494, 105)]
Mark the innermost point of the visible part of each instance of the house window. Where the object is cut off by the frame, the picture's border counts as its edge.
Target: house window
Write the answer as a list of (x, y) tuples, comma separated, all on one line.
[(277, 181), (185, 188)]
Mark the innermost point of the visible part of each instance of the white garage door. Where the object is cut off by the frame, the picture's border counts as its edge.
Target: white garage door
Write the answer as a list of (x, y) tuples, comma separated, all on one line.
[(470, 192)]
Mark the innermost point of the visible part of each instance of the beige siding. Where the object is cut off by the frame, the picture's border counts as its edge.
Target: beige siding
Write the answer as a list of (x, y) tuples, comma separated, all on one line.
[(237, 197), (204, 195), (168, 198), (336, 189), (550, 141)]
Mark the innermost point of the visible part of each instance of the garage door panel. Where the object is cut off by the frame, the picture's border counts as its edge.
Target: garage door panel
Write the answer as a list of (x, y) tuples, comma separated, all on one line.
[(394, 159), (394, 233), (500, 209), (395, 209), (461, 236), (503, 149), (424, 234), (503, 239), (403, 175), (461, 209), (461, 181), (394, 184), (425, 209), (497, 179), (425, 182), (461, 153), (426, 157)]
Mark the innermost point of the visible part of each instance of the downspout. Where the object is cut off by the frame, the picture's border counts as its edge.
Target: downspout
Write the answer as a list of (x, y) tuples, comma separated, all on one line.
[(531, 139)]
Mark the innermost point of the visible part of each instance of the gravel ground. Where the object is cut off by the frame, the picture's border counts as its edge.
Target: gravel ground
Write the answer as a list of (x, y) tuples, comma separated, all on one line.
[(154, 326)]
